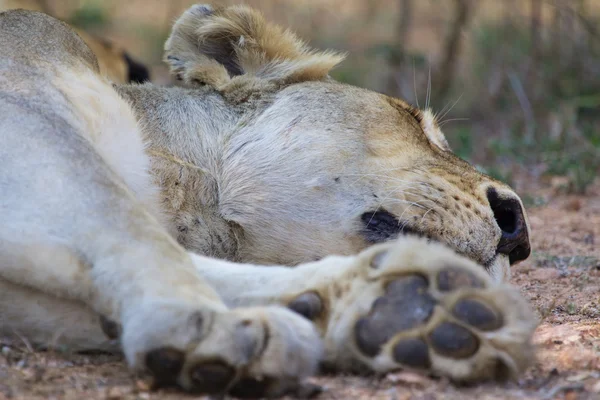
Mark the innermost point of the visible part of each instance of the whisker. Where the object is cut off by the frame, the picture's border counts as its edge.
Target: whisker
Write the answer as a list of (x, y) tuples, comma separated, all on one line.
[(419, 203), (372, 216), (450, 120), (428, 97), (445, 112), (388, 198), (427, 195), (382, 176), (410, 203), (424, 215), (407, 191), (402, 215), (415, 83)]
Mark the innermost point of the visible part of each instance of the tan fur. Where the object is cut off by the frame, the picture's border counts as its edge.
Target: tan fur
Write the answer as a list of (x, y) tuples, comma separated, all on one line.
[(201, 41), (258, 158)]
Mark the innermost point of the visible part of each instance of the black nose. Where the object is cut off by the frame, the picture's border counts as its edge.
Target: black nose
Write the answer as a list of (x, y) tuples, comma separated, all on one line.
[(510, 217)]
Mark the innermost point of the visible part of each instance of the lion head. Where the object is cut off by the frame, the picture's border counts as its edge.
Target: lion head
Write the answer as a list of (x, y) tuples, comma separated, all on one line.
[(307, 166)]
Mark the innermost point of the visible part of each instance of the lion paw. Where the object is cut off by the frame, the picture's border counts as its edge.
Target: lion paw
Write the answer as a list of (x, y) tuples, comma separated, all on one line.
[(420, 306), (264, 351)]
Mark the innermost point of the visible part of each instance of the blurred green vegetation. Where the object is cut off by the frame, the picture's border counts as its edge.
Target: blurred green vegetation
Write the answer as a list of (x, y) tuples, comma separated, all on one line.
[(516, 83), (91, 15), (563, 94)]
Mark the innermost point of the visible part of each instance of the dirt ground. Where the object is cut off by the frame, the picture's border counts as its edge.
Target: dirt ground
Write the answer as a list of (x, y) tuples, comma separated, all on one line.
[(561, 279)]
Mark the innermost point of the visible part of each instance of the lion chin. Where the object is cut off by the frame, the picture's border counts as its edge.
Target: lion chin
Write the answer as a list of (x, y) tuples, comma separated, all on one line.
[(499, 270)]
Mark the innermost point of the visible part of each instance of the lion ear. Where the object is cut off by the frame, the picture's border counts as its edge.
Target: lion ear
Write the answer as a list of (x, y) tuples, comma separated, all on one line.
[(432, 130), (210, 46)]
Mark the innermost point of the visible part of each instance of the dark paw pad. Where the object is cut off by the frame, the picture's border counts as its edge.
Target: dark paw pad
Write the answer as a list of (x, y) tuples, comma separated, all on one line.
[(477, 314), (165, 365), (405, 305), (454, 278), (251, 388), (111, 329), (309, 305), (412, 353), (210, 378), (451, 340)]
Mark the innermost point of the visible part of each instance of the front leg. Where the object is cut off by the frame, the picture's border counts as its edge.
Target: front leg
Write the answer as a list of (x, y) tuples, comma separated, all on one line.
[(406, 304), (74, 236), (169, 321)]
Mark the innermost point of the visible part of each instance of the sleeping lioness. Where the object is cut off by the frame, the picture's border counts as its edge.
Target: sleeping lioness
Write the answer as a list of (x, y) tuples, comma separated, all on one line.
[(145, 219)]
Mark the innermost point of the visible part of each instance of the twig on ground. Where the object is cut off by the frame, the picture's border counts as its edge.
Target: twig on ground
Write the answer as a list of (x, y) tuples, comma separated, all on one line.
[(564, 388), (525, 104)]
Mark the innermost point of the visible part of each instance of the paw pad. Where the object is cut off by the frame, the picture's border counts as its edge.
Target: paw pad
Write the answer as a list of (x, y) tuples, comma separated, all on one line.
[(428, 309), (424, 316), (165, 364), (111, 329), (451, 340), (412, 353), (477, 314), (452, 278), (309, 305), (405, 305), (211, 378)]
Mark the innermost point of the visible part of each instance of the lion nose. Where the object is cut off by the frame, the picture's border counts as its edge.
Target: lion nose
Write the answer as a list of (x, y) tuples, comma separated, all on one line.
[(510, 217)]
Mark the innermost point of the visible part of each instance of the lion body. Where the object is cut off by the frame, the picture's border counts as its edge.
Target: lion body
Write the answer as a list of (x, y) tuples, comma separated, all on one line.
[(111, 193)]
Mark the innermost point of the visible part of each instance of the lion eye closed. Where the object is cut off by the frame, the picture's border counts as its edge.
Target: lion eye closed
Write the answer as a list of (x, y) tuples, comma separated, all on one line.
[(381, 225)]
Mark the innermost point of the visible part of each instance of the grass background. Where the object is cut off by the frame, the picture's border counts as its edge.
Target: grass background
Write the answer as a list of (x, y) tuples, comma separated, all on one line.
[(516, 83)]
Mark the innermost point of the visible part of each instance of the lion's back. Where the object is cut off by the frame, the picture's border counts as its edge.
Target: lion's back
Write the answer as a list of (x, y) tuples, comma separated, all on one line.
[(32, 38)]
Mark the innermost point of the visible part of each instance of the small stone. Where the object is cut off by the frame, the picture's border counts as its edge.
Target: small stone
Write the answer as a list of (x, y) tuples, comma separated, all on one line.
[(142, 385), (114, 394), (573, 204), (571, 395), (411, 378), (544, 274)]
